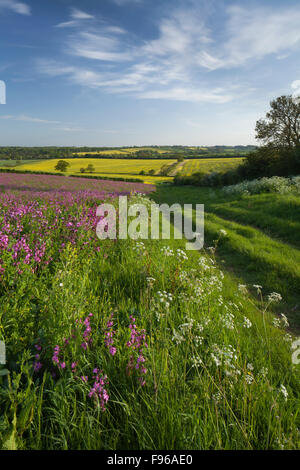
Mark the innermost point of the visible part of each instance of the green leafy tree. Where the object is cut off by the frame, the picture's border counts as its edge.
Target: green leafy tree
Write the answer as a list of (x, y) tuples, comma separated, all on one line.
[(62, 166), (281, 127)]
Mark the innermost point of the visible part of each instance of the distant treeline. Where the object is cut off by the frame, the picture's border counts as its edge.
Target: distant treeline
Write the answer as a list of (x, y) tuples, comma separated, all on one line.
[(174, 152)]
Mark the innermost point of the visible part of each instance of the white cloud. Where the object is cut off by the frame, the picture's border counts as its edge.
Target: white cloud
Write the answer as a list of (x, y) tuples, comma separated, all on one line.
[(188, 94), (76, 16), (25, 118), (295, 86), (17, 7), (252, 34), (98, 47), (179, 62), (80, 15)]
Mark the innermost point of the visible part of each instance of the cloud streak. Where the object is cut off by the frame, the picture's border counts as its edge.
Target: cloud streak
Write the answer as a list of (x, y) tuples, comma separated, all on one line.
[(15, 6), (77, 17), (25, 118)]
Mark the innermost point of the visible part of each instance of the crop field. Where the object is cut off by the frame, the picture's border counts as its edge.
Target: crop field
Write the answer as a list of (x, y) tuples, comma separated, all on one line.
[(207, 165), (102, 167), (141, 344)]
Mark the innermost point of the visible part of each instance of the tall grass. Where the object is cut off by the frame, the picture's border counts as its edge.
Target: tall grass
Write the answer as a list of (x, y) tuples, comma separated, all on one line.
[(196, 364)]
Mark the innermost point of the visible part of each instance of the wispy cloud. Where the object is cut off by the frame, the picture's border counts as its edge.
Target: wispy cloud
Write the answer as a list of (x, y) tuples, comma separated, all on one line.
[(179, 63), (252, 34), (17, 7), (25, 118), (98, 46), (77, 16), (125, 2)]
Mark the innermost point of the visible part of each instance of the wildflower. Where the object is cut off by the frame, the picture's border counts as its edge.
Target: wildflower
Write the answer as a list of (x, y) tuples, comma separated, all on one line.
[(98, 391), (223, 232), (263, 372), (284, 320), (250, 366), (37, 366), (258, 288), (249, 379), (283, 391), (242, 288), (109, 334), (136, 343), (247, 323), (274, 297)]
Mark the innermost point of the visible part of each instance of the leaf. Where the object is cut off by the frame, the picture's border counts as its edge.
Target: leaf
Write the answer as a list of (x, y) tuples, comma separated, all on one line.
[(4, 372)]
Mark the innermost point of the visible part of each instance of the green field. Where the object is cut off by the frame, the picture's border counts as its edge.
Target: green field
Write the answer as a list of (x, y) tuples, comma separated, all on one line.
[(141, 344), (262, 243), (207, 165)]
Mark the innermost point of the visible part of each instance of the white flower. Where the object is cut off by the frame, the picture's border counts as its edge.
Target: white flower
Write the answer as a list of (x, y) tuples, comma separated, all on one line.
[(258, 288), (242, 288), (284, 320), (250, 366), (61, 284), (274, 297), (263, 372), (284, 391), (247, 323), (249, 379), (223, 232)]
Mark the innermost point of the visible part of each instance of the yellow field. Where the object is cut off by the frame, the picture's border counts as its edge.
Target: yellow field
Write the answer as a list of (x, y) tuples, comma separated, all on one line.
[(106, 167), (207, 165)]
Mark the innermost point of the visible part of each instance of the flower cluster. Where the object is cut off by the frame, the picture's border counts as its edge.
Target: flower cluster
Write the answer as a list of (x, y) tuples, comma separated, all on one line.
[(136, 343), (109, 336), (98, 390)]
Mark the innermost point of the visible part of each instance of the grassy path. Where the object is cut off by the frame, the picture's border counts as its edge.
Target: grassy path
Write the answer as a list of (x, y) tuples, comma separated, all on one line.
[(261, 246)]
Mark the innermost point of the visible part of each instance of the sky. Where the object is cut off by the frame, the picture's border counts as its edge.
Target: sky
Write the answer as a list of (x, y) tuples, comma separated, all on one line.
[(144, 72)]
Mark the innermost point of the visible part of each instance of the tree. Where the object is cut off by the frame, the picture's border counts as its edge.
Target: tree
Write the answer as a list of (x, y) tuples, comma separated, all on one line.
[(281, 128), (90, 168), (62, 166)]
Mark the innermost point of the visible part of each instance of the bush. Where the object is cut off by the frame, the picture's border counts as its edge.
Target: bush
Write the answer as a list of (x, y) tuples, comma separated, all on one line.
[(276, 184)]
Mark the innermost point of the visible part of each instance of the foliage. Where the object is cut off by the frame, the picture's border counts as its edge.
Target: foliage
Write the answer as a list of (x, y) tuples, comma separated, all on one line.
[(62, 166), (131, 344), (281, 128)]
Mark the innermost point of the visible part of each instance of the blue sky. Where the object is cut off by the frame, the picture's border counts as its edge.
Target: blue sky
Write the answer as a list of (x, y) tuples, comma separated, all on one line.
[(142, 72)]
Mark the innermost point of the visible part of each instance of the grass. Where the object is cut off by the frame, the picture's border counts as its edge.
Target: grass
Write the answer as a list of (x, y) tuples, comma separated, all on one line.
[(207, 165), (218, 371), (262, 240)]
